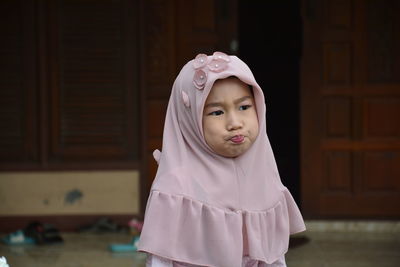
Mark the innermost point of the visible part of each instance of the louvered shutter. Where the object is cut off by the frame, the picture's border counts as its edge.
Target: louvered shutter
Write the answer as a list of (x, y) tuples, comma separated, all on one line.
[(93, 80)]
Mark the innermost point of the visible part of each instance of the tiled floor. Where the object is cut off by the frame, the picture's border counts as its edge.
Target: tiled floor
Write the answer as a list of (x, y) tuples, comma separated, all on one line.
[(347, 249), (339, 247)]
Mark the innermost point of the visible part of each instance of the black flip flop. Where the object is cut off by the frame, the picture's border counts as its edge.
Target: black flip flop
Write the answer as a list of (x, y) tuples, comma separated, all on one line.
[(43, 233)]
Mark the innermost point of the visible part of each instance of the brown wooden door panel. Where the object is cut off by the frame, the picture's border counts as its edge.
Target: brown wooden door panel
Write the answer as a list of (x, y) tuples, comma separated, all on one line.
[(18, 84), (156, 110), (351, 109)]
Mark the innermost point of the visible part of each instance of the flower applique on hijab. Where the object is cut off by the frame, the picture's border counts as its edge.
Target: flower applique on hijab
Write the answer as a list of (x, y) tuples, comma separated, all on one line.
[(205, 209)]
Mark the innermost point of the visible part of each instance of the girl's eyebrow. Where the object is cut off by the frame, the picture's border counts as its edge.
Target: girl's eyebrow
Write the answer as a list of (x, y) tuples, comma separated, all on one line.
[(239, 100), (219, 104), (214, 104)]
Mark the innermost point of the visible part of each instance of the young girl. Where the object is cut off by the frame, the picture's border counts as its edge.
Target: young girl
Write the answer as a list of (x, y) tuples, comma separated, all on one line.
[(217, 199)]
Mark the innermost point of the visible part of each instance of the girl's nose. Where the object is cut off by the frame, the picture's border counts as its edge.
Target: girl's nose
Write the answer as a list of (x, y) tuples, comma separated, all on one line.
[(234, 122)]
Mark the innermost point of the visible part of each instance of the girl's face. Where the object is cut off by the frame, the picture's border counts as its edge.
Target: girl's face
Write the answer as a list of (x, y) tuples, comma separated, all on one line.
[(230, 122)]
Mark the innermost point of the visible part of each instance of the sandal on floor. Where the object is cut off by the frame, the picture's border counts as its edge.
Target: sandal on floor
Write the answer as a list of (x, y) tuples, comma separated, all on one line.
[(17, 238), (129, 247), (43, 234)]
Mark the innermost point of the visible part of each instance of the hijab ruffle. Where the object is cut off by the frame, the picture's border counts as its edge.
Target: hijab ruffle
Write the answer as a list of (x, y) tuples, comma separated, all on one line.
[(185, 230)]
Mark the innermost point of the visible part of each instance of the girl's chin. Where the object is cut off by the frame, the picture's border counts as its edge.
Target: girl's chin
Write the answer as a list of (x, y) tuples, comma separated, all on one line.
[(234, 152)]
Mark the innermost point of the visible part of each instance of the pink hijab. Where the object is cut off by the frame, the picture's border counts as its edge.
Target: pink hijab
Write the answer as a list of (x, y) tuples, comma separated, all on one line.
[(205, 209)]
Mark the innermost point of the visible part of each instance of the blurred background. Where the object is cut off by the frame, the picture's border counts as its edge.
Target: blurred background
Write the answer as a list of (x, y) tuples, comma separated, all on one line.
[(84, 86)]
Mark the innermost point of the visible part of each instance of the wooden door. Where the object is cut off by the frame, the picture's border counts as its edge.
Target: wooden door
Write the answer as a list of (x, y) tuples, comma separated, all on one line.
[(350, 104)]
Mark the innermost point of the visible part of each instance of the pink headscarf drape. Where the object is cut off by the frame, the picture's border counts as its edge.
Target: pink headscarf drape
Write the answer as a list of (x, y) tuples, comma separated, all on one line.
[(206, 209)]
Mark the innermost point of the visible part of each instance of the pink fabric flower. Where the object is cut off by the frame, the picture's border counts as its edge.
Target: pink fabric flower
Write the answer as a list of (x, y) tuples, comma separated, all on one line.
[(199, 79), (217, 65), (200, 61), (221, 56)]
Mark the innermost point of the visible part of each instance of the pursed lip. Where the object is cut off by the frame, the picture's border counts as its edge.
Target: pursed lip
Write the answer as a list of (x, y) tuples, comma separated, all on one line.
[(237, 139)]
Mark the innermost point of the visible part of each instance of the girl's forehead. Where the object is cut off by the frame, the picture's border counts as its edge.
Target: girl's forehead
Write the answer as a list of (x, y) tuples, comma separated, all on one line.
[(229, 86), (229, 80)]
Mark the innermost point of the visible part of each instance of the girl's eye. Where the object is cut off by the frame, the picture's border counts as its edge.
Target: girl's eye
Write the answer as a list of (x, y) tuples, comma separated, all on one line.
[(216, 113), (244, 107)]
